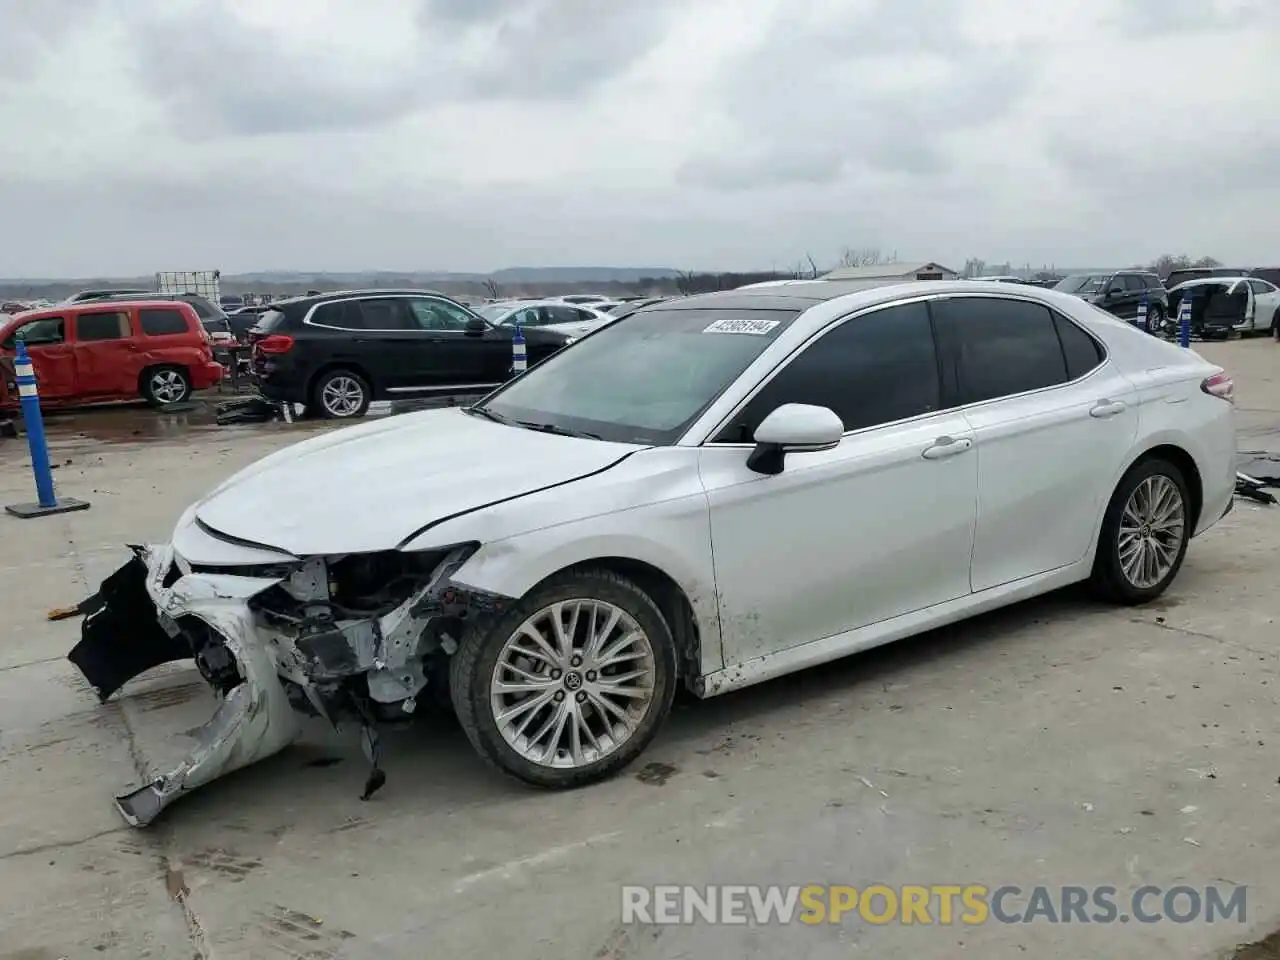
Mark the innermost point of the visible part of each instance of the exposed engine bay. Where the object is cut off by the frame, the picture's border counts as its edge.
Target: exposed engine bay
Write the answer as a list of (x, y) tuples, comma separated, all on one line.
[(353, 639)]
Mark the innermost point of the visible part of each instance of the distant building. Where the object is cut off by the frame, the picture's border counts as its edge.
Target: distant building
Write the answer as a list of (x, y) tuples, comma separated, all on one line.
[(894, 271)]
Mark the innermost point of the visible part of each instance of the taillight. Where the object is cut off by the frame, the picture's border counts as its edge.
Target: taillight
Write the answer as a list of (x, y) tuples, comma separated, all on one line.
[(274, 344), (1220, 385)]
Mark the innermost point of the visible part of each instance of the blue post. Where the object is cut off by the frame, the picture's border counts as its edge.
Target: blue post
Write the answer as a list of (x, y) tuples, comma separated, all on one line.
[(46, 499), (1184, 319), (1143, 320), (519, 356)]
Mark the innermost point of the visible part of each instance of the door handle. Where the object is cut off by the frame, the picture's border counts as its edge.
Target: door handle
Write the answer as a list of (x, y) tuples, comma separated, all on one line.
[(945, 447), (1107, 408)]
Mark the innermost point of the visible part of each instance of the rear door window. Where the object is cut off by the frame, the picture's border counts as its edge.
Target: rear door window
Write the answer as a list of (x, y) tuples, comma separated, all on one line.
[(1134, 283), (386, 313), (1082, 352), (102, 326), (1001, 347), (162, 321)]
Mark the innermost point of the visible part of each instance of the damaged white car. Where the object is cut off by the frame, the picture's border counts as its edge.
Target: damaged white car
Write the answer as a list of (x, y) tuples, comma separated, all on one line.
[(710, 492)]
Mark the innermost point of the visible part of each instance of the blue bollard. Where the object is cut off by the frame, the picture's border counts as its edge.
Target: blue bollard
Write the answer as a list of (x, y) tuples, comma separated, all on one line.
[(1143, 320), (1184, 320), (47, 501), (519, 356)]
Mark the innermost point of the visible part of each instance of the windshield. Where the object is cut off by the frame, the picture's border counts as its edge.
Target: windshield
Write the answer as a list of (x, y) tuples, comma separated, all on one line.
[(643, 381), (493, 311), (1084, 283)]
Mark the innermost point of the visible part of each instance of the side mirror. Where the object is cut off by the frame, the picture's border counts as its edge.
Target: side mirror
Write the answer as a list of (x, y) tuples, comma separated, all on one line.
[(793, 428), (476, 327)]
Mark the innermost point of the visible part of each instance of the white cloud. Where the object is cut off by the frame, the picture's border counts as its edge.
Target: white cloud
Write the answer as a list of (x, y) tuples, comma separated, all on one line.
[(459, 134)]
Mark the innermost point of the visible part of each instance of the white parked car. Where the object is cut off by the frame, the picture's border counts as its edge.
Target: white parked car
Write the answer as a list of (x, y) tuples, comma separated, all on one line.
[(571, 319), (717, 491), (1250, 304)]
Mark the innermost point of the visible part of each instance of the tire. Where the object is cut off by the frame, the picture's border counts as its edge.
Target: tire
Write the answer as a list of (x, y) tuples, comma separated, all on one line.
[(165, 386), (340, 394), (1275, 326), (489, 651), (1111, 578), (1155, 319)]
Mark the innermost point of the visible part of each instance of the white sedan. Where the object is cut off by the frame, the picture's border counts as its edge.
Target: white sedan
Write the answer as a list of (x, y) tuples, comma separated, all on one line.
[(720, 490), (1259, 301), (571, 319)]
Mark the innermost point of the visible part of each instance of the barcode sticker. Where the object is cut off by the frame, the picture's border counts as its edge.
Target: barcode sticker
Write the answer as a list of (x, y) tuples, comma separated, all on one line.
[(757, 328)]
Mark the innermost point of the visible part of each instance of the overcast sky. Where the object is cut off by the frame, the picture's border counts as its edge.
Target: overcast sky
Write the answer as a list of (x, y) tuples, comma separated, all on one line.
[(141, 135)]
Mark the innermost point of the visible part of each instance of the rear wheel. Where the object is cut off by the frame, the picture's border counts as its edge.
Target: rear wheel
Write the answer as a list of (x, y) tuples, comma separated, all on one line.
[(165, 386), (1155, 318), (1275, 326), (568, 686), (340, 395), (1145, 533)]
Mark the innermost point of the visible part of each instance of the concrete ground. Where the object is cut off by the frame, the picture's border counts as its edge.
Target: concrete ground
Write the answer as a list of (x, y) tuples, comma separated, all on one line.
[(1057, 742)]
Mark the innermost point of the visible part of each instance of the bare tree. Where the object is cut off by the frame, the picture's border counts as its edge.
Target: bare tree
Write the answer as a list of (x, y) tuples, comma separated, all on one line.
[(686, 282), (491, 288), (973, 267), (813, 267), (1166, 263)]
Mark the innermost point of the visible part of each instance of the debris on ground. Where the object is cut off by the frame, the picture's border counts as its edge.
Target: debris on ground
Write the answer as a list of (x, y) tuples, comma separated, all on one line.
[(256, 409), (1255, 471)]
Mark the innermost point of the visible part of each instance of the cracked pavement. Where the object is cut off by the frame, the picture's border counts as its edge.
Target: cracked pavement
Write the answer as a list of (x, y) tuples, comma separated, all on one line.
[(1055, 742)]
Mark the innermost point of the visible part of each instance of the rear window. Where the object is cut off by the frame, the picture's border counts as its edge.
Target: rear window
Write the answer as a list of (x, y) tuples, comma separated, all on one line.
[(162, 321), (270, 320)]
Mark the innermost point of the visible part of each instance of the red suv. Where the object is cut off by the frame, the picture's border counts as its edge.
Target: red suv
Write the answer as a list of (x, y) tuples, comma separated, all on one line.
[(100, 351)]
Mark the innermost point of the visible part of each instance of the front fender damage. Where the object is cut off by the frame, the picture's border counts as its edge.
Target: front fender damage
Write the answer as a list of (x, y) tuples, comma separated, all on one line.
[(356, 638), (125, 633)]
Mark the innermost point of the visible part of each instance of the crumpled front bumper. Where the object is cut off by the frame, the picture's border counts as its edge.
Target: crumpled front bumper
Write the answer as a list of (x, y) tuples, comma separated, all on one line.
[(142, 617)]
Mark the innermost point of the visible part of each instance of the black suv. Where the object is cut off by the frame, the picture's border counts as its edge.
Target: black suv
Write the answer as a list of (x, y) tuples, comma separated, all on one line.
[(1120, 293), (337, 352)]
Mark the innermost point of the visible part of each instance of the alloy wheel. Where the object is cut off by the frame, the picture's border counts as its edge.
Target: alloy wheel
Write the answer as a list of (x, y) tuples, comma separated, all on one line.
[(342, 396), (573, 683), (1152, 527), (167, 386)]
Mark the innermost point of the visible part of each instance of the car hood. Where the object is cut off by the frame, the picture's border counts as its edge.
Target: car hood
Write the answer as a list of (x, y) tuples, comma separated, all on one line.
[(371, 487)]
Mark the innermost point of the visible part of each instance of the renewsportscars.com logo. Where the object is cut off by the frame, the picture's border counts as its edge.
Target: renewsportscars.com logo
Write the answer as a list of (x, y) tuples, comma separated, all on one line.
[(935, 904)]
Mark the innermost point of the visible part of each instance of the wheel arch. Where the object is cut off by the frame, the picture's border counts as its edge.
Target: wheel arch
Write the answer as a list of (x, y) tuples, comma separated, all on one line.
[(685, 597), (1181, 459), (666, 593)]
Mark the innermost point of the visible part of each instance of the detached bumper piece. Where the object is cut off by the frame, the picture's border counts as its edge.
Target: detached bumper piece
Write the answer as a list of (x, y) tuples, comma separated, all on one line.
[(124, 633)]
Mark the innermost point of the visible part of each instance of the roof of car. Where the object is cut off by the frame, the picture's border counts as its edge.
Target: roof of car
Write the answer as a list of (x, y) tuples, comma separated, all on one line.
[(1204, 281), (315, 298)]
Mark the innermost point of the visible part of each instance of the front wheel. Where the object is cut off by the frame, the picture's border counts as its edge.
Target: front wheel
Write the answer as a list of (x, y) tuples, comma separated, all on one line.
[(1275, 326), (1145, 533), (568, 686), (341, 395), (1155, 320)]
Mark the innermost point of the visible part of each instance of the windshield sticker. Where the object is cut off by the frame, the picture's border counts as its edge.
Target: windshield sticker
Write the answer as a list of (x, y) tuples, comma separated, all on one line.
[(757, 328)]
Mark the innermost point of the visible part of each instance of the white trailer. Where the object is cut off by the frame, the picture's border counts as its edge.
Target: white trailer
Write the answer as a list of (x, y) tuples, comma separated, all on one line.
[(203, 283)]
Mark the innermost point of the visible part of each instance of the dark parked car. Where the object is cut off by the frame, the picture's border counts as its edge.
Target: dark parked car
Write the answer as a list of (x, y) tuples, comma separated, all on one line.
[(1121, 292), (337, 352)]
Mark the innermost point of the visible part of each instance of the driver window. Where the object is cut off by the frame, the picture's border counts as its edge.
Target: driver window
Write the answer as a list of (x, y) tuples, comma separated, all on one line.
[(47, 331), (871, 370), (435, 315)]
